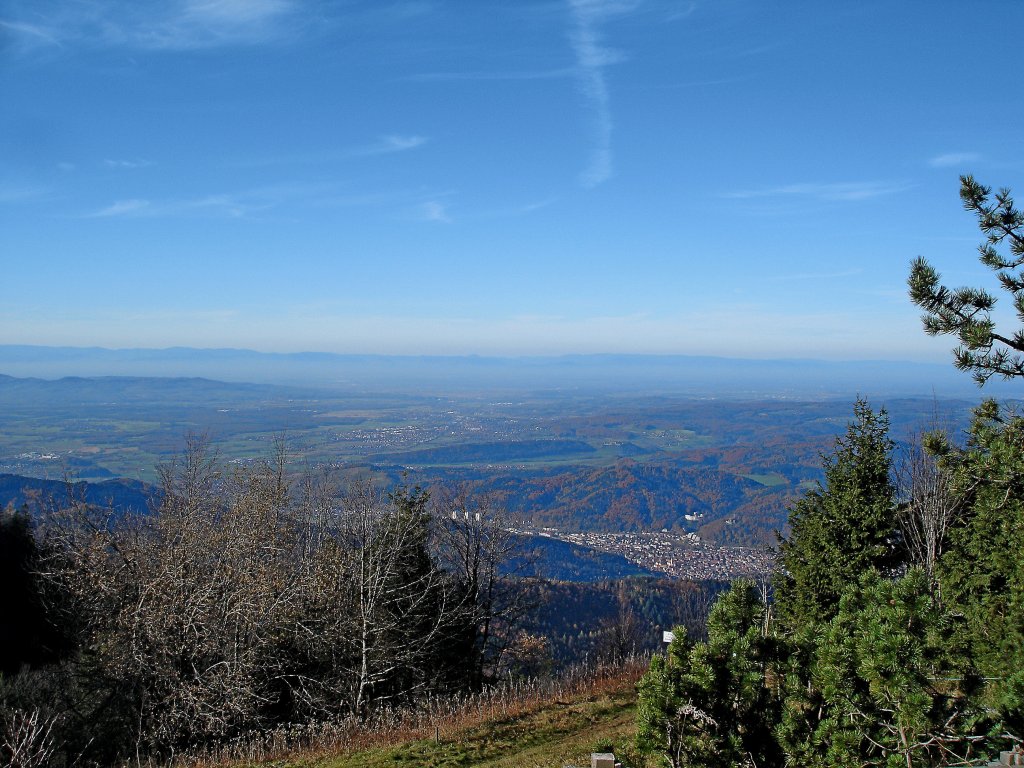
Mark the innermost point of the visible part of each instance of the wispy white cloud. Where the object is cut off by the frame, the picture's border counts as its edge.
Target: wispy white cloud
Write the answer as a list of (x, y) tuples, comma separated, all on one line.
[(121, 208), (693, 83), (27, 36), (514, 211), (235, 205), (285, 199), (127, 164), (17, 193), (223, 205), (385, 145), (358, 199), (233, 12), (842, 192), (683, 12), (816, 276), (952, 159), (228, 206), (433, 210), (398, 12), (171, 25), (540, 74), (209, 23), (535, 206), (393, 143), (218, 206), (591, 59)]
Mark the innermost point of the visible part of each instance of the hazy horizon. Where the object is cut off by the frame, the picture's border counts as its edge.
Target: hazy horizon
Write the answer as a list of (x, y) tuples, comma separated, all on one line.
[(686, 375)]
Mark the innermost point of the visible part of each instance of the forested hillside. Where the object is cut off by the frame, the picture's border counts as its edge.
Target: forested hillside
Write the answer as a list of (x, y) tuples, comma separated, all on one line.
[(38, 494)]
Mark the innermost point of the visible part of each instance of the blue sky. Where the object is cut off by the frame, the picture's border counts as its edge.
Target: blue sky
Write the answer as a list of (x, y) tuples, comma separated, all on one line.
[(738, 177)]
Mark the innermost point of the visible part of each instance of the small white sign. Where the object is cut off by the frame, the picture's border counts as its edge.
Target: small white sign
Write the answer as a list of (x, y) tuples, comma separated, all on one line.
[(668, 637)]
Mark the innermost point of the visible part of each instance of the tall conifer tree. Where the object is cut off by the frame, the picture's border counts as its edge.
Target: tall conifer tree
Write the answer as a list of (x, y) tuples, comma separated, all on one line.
[(844, 527)]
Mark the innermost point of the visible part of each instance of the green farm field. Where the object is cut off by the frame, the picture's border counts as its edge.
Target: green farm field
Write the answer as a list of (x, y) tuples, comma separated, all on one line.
[(598, 462)]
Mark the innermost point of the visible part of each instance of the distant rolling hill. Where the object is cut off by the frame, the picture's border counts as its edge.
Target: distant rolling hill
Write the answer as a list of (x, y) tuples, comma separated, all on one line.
[(39, 495), (539, 555), (563, 561), (126, 390)]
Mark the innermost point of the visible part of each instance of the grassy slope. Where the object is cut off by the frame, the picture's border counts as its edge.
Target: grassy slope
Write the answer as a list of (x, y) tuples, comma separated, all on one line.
[(553, 734)]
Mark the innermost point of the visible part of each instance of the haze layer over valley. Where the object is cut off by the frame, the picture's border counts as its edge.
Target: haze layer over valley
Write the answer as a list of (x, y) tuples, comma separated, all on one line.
[(703, 452)]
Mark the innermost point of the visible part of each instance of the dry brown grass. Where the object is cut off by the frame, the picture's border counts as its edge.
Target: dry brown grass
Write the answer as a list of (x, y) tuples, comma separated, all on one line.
[(438, 719)]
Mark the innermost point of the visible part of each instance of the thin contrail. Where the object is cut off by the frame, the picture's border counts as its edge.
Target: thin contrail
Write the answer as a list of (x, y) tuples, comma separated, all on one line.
[(591, 59)]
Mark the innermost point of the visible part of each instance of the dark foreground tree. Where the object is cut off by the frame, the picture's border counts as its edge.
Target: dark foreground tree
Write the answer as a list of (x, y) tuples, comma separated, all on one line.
[(30, 637), (621, 633), (895, 681), (708, 704), (875, 662), (982, 572), (481, 559), (182, 610), (966, 313)]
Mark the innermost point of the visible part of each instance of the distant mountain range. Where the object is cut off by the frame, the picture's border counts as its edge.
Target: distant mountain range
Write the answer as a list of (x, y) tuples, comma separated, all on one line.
[(94, 390), (680, 374)]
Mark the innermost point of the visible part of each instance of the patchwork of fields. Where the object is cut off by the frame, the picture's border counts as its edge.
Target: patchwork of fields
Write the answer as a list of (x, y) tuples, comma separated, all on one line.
[(725, 470)]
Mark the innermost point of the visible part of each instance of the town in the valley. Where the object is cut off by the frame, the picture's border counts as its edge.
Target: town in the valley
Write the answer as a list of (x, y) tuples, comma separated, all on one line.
[(684, 556)]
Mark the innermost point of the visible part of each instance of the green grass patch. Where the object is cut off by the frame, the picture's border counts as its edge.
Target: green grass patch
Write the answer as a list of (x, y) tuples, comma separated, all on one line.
[(553, 733), (770, 480), (553, 736)]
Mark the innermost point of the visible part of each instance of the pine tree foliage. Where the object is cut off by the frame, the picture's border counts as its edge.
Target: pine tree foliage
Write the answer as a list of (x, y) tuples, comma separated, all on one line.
[(670, 720), (895, 678), (966, 313), (983, 571), (707, 704), (887, 652), (844, 527)]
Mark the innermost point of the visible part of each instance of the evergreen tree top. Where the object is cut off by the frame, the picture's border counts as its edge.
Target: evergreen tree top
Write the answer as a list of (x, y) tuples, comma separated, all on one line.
[(966, 312), (844, 527)]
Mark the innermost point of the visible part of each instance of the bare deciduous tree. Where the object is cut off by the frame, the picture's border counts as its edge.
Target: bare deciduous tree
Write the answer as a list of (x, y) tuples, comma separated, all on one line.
[(929, 508), (244, 600), (183, 608), (397, 605), (27, 739), (621, 635), (484, 558)]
